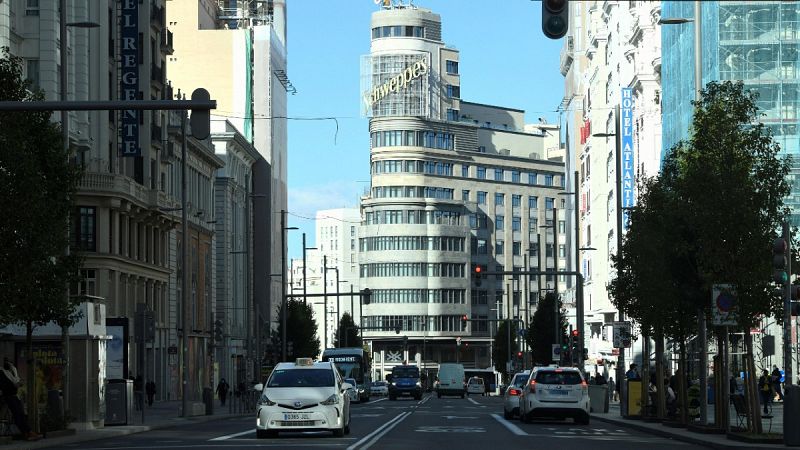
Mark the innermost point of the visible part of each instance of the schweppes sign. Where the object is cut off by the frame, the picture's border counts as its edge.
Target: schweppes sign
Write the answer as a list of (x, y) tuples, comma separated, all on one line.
[(398, 82)]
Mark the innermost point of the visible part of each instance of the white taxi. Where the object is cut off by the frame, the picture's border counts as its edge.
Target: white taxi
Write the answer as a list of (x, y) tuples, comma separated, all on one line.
[(555, 392), (303, 396)]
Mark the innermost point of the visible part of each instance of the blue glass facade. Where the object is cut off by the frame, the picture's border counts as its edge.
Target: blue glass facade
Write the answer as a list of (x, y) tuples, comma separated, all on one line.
[(756, 42)]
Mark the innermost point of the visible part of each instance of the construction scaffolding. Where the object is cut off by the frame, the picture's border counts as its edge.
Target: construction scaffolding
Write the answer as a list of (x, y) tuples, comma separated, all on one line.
[(245, 13)]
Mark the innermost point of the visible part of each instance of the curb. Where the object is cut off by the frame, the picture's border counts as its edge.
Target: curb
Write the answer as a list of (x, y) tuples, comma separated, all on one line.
[(678, 437), (111, 432)]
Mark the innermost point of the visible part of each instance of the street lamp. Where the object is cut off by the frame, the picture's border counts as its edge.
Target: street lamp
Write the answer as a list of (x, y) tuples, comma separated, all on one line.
[(284, 306), (305, 283), (557, 313), (579, 313)]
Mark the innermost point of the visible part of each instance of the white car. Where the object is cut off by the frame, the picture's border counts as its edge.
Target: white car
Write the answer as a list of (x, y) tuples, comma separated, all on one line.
[(513, 393), (379, 388), (475, 386), (353, 391), (301, 396), (555, 392)]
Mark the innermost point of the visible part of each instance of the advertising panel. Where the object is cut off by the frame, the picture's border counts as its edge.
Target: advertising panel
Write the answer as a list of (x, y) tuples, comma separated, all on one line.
[(396, 84), (129, 76), (628, 167)]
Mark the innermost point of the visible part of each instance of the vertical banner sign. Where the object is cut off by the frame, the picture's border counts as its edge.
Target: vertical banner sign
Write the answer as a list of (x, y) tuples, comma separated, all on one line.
[(628, 168), (129, 73)]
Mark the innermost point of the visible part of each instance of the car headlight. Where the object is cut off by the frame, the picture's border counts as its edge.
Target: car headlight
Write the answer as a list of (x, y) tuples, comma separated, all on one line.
[(419, 384), (394, 383), (264, 400), (332, 400)]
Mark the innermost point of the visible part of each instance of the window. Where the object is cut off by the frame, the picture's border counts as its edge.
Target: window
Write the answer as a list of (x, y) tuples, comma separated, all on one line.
[(481, 173), (498, 174), (32, 8), (516, 223), (481, 198), (452, 114), (465, 171), (86, 229), (499, 222), (515, 176), (482, 247), (499, 199), (481, 149), (549, 203), (32, 72), (548, 180), (516, 248), (562, 251), (516, 200), (453, 91), (533, 202), (465, 195), (451, 66), (352, 231), (562, 226), (532, 178), (499, 247)]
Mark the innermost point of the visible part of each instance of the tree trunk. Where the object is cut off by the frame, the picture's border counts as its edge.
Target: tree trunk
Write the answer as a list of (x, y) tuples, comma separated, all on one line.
[(30, 379), (645, 394), (751, 388), (660, 389)]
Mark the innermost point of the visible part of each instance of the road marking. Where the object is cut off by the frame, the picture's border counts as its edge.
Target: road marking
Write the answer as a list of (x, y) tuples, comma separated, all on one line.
[(473, 401), (511, 427), (450, 429), (459, 417), (424, 400), (376, 401), (373, 437), (366, 415), (230, 436)]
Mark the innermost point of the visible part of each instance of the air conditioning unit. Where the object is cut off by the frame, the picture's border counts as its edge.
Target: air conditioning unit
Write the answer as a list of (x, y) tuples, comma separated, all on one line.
[(535, 155), (504, 151), (570, 43)]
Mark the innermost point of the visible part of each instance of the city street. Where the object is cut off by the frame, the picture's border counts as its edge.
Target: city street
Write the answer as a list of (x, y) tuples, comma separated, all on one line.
[(447, 423)]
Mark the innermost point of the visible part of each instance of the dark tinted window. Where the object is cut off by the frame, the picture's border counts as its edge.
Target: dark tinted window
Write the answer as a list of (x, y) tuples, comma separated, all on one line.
[(520, 380), (548, 377), (405, 372), (301, 378)]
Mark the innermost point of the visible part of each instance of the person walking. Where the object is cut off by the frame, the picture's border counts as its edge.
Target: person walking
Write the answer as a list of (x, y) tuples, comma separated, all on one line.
[(633, 373), (222, 391), (776, 382), (150, 389), (9, 382), (765, 389), (138, 392), (612, 388)]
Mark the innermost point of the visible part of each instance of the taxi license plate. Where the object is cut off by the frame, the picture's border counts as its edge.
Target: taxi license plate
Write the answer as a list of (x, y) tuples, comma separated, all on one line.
[(558, 392), (293, 416)]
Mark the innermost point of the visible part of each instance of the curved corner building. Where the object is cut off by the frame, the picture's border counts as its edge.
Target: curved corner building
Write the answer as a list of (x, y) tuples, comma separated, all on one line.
[(455, 185)]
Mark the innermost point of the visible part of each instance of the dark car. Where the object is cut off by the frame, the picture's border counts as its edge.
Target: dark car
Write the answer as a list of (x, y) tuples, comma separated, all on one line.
[(405, 381)]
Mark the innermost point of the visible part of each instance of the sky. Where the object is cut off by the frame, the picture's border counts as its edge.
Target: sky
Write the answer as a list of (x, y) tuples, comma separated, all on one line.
[(504, 60)]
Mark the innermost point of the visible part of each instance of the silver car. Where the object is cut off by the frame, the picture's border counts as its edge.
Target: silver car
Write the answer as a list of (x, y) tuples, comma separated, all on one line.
[(379, 388), (513, 393)]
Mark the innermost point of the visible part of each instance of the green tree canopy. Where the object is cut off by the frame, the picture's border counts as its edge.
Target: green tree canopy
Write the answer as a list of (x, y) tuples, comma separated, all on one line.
[(540, 335), (347, 334), (501, 353), (301, 331)]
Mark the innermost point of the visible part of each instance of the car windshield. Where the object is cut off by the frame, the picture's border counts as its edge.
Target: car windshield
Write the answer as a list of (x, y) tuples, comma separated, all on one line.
[(550, 377), (351, 381), (520, 380), (405, 372), (301, 378), (476, 381)]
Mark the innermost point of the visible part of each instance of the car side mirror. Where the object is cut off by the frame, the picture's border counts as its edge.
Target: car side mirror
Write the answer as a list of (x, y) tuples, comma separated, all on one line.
[(259, 387), (346, 386)]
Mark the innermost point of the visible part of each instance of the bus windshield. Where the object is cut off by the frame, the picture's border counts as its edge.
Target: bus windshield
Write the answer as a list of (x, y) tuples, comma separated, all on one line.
[(350, 363)]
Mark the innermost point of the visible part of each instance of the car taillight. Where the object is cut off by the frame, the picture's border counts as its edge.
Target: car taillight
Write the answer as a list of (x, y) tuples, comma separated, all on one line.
[(514, 392), (532, 386), (584, 386)]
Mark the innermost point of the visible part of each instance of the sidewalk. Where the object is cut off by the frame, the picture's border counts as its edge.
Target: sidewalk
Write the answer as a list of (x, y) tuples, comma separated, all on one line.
[(162, 414), (716, 441)]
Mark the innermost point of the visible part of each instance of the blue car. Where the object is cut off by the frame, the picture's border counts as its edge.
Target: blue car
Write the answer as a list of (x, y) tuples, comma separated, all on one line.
[(405, 381)]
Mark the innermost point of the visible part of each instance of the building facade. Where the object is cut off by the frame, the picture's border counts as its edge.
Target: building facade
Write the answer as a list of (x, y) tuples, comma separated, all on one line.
[(454, 185)]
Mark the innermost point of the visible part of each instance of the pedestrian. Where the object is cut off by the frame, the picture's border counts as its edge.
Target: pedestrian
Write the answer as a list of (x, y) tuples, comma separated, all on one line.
[(9, 382), (138, 392), (222, 391), (776, 382), (612, 388), (765, 389), (599, 379), (633, 373), (150, 389)]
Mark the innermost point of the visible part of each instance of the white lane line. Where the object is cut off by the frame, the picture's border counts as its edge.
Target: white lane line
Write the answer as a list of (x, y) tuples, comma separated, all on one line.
[(231, 436), (371, 438), (424, 400), (376, 401), (511, 427), (473, 401)]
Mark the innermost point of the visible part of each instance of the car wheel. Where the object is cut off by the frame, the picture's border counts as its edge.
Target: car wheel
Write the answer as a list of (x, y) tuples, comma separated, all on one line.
[(347, 427), (507, 415), (523, 417), (338, 432), (438, 395), (582, 420)]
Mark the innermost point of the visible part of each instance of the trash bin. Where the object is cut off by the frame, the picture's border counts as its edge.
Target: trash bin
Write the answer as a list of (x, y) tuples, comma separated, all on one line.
[(119, 402), (208, 399), (634, 398), (598, 398)]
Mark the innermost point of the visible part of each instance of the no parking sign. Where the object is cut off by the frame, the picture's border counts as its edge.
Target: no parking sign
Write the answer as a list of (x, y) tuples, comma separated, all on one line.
[(723, 304)]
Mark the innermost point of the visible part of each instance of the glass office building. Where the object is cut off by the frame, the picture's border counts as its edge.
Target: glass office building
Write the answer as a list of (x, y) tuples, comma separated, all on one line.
[(752, 41)]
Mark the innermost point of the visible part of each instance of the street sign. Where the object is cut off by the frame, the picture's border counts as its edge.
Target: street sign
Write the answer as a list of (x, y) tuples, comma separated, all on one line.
[(521, 332), (556, 352), (622, 335), (723, 305)]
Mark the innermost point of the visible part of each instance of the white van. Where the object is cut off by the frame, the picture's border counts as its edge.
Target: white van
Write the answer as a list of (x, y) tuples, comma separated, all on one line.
[(450, 380)]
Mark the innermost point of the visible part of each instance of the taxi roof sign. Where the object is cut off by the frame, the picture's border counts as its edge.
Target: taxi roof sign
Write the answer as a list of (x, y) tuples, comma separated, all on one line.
[(304, 362)]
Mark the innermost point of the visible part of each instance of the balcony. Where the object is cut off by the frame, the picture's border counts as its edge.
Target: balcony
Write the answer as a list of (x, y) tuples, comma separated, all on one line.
[(567, 55), (166, 42), (117, 185)]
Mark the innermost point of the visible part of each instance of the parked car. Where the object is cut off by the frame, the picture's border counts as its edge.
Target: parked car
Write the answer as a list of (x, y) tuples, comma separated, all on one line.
[(475, 385), (555, 392), (353, 391), (379, 388), (513, 393), (450, 380)]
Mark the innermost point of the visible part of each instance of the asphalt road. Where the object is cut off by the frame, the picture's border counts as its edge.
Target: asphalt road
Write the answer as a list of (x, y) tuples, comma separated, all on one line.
[(432, 423)]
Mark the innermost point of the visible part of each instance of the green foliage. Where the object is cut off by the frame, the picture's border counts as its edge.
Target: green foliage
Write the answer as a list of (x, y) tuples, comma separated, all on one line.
[(539, 336), (709, 217), (301, 331), (348, 332), (38, 183), (500, 351)]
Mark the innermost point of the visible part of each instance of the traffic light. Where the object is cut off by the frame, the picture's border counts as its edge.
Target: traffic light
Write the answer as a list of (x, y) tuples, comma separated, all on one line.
[(366, 296), (477, 276), (464, 322), (555, 18), (780, 257), (200, 120)]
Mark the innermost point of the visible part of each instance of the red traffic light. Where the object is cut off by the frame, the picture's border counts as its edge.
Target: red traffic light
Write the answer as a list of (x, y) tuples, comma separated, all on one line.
[(464, 318), (519, 354), (574, 333), (477, 269)]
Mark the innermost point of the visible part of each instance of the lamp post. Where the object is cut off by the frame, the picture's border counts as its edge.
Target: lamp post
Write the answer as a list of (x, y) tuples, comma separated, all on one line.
[(579, 312), (284, 306), (305, 283), (556, 313)]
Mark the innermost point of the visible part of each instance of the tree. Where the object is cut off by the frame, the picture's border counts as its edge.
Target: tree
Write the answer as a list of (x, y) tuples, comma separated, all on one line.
[(301, 331), (348, 332), (38, 183), (540, 332), (501, 353)]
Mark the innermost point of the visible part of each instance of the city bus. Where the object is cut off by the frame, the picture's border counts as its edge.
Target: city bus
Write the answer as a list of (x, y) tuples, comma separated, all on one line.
[(352, 362)]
